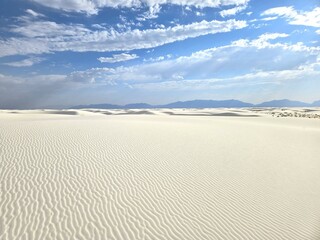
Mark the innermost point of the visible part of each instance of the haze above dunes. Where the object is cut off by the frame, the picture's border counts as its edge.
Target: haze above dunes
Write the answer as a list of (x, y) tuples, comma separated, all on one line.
[(160, 174), (205, 104)]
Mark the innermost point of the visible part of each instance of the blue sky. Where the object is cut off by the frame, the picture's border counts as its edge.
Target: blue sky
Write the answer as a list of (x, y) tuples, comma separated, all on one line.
[(67, 52)]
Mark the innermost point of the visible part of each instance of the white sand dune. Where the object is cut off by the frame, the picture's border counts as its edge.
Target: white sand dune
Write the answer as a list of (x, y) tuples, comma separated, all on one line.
[(290, 112), (158, 174)]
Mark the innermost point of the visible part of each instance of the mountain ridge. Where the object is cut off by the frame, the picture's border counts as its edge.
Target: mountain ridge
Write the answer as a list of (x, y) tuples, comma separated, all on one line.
[(231, 103)]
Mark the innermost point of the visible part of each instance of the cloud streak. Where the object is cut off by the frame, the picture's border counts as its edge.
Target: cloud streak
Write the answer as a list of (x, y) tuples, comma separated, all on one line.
[(250, 79), (92, 6), (240, 57), (28, 62), (118, 58), (39, 36), (294, 17), (232, 11)]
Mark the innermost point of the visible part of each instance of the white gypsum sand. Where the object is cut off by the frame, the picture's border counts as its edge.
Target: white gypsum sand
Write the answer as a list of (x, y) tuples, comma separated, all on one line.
[(158, 174)]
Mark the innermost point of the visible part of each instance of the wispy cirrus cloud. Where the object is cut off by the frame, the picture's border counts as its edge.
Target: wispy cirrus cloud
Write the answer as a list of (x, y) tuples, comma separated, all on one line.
[(232, 11), (28, 62), (294, 17), (92, 6), (118, 58), (240, 57), (33, 13), (151, 14), (244, 80), (40, 36)]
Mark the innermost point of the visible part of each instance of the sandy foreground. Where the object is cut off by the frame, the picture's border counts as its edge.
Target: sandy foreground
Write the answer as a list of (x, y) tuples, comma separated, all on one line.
[(160, 174)]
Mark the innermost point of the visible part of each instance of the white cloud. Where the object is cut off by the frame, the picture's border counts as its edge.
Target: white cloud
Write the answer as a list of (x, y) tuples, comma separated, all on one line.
[(98, 26), (28, 62), (85, 6), (33, 13), (157, 59), (23, 46), (93, 6), (272, 36), (268, 19), (258, 78), (45, 36), (232, 11), (242, 56), (199, 14), (49, 30), (118, 58), (318, 31), (304, 18), (151, 14), (281, 11), (263, 40)]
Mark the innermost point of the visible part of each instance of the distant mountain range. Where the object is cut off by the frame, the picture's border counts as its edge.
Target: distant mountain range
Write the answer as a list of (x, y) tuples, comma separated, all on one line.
[(204, 104), (284, 103)]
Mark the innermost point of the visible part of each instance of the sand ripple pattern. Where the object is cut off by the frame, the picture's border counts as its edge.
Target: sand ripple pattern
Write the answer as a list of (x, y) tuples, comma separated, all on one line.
[(157, 177)]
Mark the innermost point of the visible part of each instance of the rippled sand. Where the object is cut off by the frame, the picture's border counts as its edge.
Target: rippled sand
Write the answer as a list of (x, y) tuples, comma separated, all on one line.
[(158, 174)]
